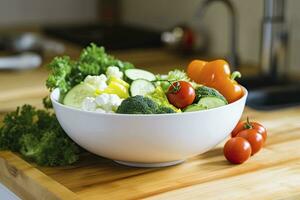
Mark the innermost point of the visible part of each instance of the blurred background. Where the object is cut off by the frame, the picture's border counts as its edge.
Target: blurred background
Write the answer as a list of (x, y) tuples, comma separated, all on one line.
[(258, 37)]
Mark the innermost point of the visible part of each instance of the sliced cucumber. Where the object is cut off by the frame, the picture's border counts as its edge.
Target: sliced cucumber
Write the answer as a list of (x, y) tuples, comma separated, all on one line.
[(194, 107), (211, 102), (141, 87), (134, 74), (77, 94)]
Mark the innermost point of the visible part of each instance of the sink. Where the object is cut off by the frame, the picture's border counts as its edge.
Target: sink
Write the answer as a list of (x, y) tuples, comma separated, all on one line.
[(274, 97)]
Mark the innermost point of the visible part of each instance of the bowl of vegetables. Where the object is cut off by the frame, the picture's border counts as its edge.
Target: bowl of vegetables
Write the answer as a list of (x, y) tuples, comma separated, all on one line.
[(140, 119)]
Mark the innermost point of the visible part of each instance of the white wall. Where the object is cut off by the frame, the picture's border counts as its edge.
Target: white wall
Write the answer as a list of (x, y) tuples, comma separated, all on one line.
[(36, 12), (161, 14)]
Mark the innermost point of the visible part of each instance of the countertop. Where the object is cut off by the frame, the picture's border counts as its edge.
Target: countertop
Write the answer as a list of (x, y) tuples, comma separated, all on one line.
[(274, 173)]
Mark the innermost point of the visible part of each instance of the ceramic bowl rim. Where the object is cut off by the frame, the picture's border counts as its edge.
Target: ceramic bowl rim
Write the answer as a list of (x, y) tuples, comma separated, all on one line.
[(55, 94)]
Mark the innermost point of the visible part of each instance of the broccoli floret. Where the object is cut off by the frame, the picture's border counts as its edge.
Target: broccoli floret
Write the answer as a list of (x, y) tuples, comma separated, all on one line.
[(137, 105), (66, 73), (37, 135), (162, 110), (141, 105), (204, 91)]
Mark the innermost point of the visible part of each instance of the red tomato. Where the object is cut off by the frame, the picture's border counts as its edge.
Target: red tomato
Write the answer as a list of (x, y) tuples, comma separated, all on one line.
[(254, 138), (243, 125), (237, 150), (181, 94)]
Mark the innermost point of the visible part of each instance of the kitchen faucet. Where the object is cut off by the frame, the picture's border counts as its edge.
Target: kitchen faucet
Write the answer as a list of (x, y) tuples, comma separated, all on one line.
[(233, 58), (272, 89), (274, 40)]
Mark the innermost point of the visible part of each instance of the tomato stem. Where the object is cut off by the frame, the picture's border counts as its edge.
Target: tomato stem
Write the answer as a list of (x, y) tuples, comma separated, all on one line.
[(248, 125), (235, 74), (175, 87)]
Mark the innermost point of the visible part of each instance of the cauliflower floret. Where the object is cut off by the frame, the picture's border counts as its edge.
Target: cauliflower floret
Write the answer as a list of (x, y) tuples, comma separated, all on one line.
[(114, 71), (102, 99), (89, 104), (108, 102), (98, 82)]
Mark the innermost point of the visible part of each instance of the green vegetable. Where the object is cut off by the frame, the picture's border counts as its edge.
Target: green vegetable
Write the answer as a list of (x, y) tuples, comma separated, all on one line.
[(175, 75), (141, 105), (66, 73), (78, 93), (194, 107), (141, 87), (37, 135), (211, 102), (161, 99), (204, 91), (134, 74)]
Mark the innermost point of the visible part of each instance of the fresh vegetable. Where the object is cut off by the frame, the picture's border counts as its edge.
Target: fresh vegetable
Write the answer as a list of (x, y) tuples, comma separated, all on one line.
[(254, 133), (181, 94), (211, 102), (103, 103), (141, 105), (118, 80), (134, 74), (254, 138), (113, 71), (204, 91), (175, 75), (161, 99), (194, 70), (141, 87), (243, 125), (194, 107), (38, 137), (237, 150), (216, 74), (78, 93), (66, 73), (115, 87)]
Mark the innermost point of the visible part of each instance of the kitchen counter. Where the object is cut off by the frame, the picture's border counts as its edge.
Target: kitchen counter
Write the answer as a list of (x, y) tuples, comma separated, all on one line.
[(274, 173)]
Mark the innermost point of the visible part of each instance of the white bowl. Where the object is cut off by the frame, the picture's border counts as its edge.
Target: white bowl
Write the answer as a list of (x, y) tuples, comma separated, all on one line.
[(148, 140)]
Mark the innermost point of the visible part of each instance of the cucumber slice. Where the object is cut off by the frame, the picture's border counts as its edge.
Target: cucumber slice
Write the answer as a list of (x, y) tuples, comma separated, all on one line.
[(134, 74), (211, 102), (141, 87), (77, 94), (194, 107)]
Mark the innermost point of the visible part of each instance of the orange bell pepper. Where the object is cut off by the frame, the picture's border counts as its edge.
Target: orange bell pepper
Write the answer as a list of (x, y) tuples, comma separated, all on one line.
[(216, 74)]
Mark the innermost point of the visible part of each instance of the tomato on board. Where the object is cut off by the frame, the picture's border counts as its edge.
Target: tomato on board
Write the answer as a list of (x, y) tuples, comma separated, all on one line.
[(255, 139), (181, 94), (237, 150), (243, 125)]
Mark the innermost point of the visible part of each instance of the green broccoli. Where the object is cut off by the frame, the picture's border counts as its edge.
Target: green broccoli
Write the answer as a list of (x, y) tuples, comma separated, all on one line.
[(204, 91), (141, 105), (163, 110), (37, 135), (66, 73)]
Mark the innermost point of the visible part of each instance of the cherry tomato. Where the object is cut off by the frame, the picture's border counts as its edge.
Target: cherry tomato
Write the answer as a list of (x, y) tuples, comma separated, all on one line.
[(181, 94), (242, 125), (237, 150), (255, 139)]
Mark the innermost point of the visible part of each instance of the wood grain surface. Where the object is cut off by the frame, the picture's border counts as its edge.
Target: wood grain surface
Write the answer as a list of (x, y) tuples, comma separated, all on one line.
[(274, 173)]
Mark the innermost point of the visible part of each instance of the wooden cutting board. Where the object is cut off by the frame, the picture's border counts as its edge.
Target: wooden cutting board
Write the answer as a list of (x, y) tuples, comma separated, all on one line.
[(274, 173)]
